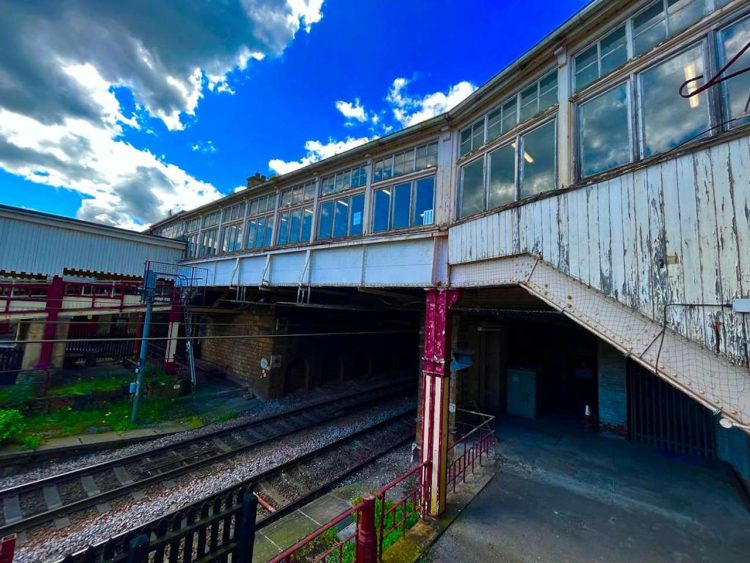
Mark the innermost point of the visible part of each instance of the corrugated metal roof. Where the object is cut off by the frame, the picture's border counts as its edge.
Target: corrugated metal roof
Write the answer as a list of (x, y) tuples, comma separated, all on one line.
[(38, 243)]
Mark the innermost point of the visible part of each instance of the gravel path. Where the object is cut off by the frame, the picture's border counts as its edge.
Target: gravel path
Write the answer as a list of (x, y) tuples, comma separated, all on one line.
[(52, 545), (259, 409)]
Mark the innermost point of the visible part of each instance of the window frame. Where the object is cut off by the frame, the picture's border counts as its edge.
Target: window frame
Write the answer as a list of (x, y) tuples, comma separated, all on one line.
[(515, 136), (412, 182), (539, 114), (333, 199)]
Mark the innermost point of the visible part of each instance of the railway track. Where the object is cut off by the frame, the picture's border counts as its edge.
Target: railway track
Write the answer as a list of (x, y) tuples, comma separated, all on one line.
[(45, 500), (284, 487)]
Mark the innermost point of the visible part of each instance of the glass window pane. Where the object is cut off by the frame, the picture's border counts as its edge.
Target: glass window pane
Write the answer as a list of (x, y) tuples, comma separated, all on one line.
[(357, 203), (307, 215), (378, 172), (466, 141), (297, 195), (649, 28), (381, 211), (736, 90), (340, 218), (250, 239), (401, 205), (403, 163), (502, 169), (614, 51), (359, 177), (432, 153), (548, 91), (420, 162), (325, 221), (538, 160), (472, 188), (424, 197), (283, 233), (510, 117), (309, 191), (681, 14), (328, 185), (269, 231), (261, 232), (529, 102), (343, 181), (494, 124), (605, 131), (294, 223), (477, 134), (667, 119), (587, 67)]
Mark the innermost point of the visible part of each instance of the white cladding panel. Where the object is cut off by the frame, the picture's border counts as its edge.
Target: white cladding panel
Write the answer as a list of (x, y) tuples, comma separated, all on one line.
[(42, 247), (398, 263), (337, 266), (402, 263), (674, 232), (287, 269)]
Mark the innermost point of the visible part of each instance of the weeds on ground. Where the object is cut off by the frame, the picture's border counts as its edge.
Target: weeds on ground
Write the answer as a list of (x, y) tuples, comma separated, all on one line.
[(392, 525), (86, 386)]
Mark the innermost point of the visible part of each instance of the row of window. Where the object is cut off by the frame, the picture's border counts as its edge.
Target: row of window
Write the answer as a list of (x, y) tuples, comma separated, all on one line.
[(401, 206), (639, 116), (522, 106), (646, 29), (664, 119), (405, 162), (636, 115)]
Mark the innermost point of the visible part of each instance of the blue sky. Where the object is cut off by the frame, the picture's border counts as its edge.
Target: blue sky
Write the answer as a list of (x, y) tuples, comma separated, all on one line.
[(119, 143)]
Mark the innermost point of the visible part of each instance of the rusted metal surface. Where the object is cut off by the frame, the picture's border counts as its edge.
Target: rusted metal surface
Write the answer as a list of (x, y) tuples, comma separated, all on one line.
[(674, 232)]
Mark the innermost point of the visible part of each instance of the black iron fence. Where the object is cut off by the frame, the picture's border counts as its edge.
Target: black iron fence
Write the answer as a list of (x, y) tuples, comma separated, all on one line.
[(221, 528), (10, 363)]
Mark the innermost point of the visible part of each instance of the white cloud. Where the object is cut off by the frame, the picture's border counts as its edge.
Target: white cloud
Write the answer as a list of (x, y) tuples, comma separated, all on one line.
[(410, 110), (316, 150), (352, 111), (206, 147), (61, 123)]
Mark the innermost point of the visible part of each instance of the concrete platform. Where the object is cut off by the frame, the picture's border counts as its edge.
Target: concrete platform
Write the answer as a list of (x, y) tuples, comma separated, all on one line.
[(561, 494)]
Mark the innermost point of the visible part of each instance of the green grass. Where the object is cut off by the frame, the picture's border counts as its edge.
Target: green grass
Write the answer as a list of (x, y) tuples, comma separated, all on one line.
[(329, 538), (98, 385), (115, 416)]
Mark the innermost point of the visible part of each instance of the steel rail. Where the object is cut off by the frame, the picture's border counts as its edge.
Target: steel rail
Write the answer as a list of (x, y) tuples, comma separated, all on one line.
[(309, 496), (98, 498)]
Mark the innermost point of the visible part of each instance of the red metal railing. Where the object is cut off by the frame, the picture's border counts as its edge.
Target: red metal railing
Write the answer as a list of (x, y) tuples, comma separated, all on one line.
[(412, 502), (470, 448), (15, 292), (397, 515)]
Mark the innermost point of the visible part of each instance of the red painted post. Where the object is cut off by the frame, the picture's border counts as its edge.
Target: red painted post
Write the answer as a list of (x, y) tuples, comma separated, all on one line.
[(435, 379), (55, 295), (173, 329), (7, 548), (367, 549)]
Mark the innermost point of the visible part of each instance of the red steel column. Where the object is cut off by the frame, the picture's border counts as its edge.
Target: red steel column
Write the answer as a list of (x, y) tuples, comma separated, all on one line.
[(173, 330), (435, 392), (55, 295), (367, 540)]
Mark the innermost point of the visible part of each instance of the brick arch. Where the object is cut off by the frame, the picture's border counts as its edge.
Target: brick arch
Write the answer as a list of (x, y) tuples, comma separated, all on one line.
[(332, 369), (297, 375)]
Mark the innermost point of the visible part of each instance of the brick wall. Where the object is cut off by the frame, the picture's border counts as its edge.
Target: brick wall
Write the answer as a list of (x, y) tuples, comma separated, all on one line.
[(241, 358), (613, 399)]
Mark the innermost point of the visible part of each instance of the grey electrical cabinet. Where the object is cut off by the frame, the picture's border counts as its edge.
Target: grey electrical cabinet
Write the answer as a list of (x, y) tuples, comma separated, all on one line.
[(522, 392)]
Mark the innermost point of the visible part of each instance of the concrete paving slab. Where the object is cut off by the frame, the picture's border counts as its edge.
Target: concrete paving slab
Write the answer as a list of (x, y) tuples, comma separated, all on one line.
[(325, 508), (288, 530), (264, 549)]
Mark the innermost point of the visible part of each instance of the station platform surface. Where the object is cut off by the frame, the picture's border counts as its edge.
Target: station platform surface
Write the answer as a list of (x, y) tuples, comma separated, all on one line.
[(563, 494)]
